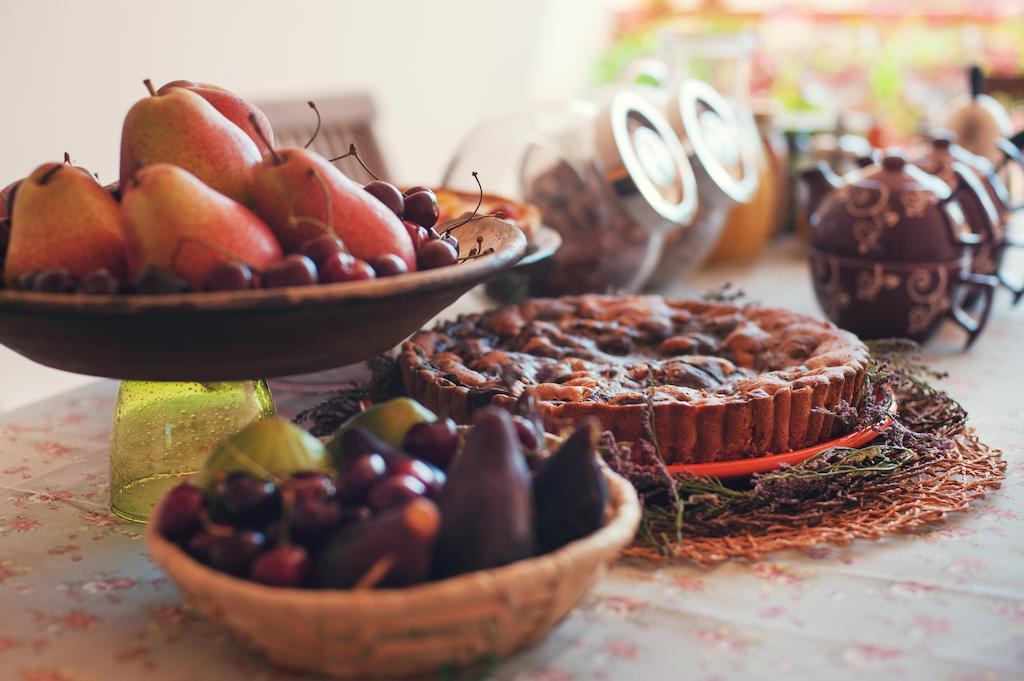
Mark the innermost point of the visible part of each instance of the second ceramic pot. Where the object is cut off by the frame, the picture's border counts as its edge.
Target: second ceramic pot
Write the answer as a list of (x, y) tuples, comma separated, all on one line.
[(876, 299)]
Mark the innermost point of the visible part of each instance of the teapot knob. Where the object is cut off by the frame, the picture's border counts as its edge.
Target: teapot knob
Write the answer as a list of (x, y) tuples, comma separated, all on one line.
[(943, 139), (893, 162)]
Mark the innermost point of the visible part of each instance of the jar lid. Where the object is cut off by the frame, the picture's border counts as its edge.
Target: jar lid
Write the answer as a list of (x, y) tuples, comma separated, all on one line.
[(724, 147), (644, 164)]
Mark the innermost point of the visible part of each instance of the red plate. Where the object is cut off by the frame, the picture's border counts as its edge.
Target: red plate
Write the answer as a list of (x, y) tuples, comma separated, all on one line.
[(742, 468)]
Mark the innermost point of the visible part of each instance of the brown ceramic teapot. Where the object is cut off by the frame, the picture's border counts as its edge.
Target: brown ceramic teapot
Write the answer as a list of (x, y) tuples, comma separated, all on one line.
[(888, 258), (988, 210)]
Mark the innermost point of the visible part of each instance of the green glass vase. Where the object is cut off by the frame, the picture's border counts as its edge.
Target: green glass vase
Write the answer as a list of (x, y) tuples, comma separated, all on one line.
[(163, 432)]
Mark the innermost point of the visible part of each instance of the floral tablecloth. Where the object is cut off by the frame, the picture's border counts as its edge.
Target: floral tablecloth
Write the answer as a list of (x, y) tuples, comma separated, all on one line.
[(79, 600)]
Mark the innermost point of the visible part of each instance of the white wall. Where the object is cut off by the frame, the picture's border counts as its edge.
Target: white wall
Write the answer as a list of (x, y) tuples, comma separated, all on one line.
[(72, 69)]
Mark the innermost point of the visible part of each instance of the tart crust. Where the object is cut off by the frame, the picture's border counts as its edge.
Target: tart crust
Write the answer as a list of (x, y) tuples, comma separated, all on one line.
[(723, 382)]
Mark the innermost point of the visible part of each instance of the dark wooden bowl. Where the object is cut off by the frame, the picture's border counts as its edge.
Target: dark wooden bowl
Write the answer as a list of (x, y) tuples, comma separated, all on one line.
[(244, 334)]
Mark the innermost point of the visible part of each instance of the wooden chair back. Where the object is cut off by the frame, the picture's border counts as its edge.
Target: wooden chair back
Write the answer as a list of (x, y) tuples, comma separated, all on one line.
[(347, 119)]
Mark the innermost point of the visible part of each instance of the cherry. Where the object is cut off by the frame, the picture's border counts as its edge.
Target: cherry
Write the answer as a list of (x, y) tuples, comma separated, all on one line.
[(343, 267), (389, 265), (312, 519), (434, 442), (395, 490), (26, 281), (451, 241), (417, 233), (421, 207), (54, 280), (312, 485), (436, 254), (319, 248), (236, 551), (199, 545), (292, 270), (388, 194), (181, 511), (284, 566), (431, 476), (247, 501), (416, 189), (229, 275), (5, 235), (153, 280), (99, 282), (360, 475)]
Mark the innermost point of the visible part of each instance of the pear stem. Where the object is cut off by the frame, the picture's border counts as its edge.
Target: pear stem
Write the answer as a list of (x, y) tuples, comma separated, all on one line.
[(278, 159), (319, 122), (50, 173), (149, 86), (353, 152)]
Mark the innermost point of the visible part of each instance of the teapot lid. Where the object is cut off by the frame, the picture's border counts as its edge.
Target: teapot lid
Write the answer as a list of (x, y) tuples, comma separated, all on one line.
[(895, 173), (644, 164), (891, 211), (725, 149)]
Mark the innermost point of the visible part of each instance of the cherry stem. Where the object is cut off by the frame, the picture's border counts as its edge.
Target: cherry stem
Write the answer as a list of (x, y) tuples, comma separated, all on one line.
[(287, 511), (375, 573), (149, 86), (319, 122), (473, 255), (220, 250), (479, 202), (50, 173), (352, 151), (278, 159)]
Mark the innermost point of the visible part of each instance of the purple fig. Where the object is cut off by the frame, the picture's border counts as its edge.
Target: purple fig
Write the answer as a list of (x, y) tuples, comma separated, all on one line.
[(486, 505), (569, 491)]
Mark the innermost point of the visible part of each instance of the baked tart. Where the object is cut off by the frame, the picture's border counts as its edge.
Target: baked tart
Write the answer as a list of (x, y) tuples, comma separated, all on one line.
[(453, 204), (723, 382)]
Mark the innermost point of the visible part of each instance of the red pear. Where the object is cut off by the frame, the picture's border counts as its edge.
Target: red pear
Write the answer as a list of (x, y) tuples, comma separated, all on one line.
[(64, 218), (182, 128), (233, 107), (175, 222), (300, 194)]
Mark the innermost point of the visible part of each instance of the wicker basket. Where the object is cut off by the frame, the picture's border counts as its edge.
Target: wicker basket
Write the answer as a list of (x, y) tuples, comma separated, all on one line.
[(464, 621)]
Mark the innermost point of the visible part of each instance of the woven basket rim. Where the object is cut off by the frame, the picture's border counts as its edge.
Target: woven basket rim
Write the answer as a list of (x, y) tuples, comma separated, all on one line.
[(615, 535)]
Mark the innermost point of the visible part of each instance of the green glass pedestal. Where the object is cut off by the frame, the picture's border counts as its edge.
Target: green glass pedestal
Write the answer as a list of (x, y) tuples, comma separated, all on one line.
[(163, 431)]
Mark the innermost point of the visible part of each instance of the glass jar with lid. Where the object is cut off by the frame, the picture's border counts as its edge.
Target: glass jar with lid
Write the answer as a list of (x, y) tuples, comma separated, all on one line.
[(608, 174), (725, 152)]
